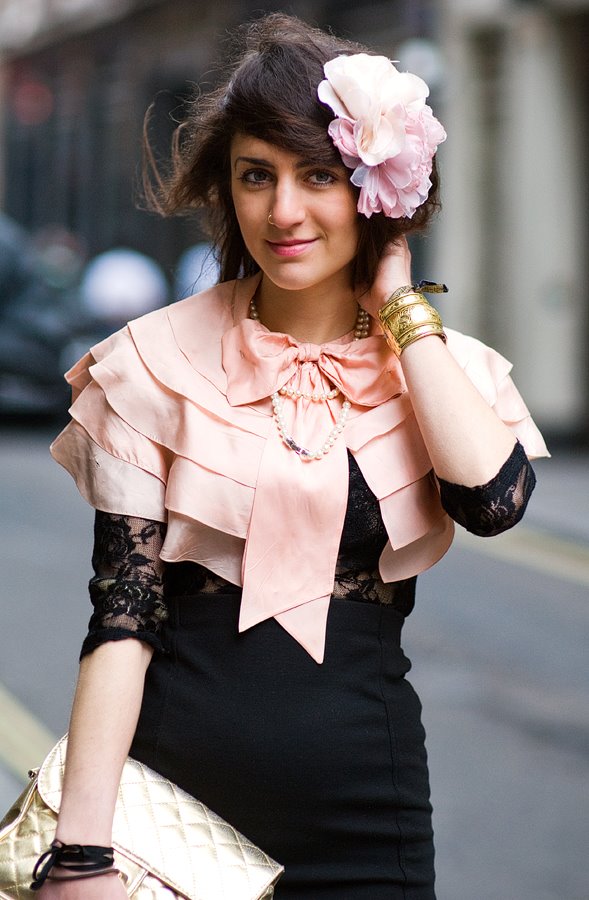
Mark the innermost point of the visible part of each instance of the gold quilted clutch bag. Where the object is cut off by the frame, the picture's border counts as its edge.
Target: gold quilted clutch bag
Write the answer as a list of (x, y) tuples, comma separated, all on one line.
[(166, 843)]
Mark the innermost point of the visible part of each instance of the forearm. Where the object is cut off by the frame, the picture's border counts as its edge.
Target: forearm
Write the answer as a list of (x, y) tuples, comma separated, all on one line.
[(467, 443), (104, 717)]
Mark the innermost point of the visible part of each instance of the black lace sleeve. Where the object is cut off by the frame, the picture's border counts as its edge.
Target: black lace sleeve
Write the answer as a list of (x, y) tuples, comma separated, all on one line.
[(497, 505), (127, 588)]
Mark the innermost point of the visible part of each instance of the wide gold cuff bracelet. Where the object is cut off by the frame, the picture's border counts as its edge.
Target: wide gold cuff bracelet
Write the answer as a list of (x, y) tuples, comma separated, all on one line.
[(407, 318)]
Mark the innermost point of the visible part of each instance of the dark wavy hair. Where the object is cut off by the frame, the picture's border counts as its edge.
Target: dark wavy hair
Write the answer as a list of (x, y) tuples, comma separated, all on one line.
[(270, 93)]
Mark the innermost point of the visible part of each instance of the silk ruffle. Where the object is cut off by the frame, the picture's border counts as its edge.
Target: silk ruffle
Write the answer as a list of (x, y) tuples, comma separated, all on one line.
[(171, 421)]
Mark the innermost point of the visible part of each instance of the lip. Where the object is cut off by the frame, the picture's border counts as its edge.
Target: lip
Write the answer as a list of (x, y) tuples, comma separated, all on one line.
[(292, 247)]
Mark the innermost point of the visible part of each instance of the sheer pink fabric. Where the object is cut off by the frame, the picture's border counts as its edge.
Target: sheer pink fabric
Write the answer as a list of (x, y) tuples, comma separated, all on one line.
[(172, 421)]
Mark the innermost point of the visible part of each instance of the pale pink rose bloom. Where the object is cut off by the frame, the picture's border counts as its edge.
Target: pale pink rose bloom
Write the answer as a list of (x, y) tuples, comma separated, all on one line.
[(384, 131)]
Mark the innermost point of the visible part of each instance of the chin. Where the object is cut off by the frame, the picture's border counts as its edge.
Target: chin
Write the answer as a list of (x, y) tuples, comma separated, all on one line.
[(290, 281), (298, 278)]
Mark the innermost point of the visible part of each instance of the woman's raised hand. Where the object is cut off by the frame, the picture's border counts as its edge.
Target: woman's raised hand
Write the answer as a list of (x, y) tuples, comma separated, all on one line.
[(103, 887), (394, 271)]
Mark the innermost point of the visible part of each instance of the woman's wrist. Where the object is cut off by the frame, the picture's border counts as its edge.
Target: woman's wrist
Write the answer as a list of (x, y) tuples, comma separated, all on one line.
[(72, 862)]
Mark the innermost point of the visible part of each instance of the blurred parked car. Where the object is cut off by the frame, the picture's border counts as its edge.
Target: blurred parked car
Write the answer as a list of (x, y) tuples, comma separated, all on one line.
[(35, 322), (52, 312)]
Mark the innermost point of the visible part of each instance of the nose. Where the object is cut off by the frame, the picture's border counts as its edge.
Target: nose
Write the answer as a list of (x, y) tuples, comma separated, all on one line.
[(288, 208)]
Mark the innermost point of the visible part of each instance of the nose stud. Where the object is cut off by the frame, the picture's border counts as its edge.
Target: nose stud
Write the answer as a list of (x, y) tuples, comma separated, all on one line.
[(270, 222)]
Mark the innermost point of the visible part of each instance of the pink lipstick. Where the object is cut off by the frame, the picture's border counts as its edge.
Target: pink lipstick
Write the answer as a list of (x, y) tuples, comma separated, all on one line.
[(292, 247)]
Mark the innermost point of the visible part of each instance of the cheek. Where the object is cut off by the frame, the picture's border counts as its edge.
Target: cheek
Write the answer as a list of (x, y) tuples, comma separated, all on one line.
[(240, 204), (249, 225), (248, 211), (236, 204), (243, 220)]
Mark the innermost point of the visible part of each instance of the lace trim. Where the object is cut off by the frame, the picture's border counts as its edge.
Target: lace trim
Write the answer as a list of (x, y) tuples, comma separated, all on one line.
[(368, 587), (127, 590), (499, 504)]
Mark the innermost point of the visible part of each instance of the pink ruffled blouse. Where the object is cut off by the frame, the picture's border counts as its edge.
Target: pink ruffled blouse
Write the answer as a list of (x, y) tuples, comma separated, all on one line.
[(172, 421)]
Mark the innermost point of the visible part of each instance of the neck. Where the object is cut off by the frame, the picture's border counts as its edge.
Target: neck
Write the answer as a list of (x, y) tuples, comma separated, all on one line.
[(316, 315)]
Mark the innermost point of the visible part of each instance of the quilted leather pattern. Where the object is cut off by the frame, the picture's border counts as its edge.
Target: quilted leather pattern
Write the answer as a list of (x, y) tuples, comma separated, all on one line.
[(167, 844), (25, 832)]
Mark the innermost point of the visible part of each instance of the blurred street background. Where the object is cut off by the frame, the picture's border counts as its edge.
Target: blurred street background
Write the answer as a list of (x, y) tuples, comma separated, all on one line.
[(499, 637)]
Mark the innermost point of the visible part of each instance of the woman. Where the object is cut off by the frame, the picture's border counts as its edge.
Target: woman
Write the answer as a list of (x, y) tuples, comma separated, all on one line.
[(272, 463)]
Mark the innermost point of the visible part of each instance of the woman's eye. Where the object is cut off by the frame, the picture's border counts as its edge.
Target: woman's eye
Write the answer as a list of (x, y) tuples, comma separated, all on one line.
[(255, 176), (322, 177)]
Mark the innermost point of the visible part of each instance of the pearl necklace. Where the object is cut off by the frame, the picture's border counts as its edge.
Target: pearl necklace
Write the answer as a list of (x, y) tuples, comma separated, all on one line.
[(360, 331)]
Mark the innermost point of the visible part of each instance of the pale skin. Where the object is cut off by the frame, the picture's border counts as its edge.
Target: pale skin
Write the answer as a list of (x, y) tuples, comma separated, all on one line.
[(305, 254)]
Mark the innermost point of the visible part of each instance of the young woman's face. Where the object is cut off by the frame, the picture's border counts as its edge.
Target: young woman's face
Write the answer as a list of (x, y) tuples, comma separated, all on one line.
[(312, 237)]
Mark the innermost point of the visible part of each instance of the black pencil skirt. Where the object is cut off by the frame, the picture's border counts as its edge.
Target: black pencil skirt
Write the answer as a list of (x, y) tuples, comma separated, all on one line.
[(323, 766)]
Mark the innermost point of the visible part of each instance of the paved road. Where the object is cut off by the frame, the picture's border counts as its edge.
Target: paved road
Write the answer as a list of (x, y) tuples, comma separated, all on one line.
[(499, 647)]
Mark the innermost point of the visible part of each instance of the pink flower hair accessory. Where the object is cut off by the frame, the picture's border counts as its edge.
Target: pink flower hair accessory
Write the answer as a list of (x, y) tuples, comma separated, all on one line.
[(384, 131)]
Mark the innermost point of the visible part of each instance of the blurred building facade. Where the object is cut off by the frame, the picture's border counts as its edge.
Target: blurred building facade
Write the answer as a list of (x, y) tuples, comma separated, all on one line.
[(513, 236), (508, 80)]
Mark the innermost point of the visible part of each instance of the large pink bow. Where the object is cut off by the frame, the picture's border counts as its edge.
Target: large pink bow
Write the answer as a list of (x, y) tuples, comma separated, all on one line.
[(258, 362), (299, 506)]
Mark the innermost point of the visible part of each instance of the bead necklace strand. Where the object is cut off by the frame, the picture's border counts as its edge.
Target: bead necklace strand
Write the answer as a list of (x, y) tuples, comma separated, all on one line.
[(361, 331)]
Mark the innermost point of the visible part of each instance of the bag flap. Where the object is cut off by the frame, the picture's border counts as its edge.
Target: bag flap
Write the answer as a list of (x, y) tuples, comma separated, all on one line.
[(174, 836)]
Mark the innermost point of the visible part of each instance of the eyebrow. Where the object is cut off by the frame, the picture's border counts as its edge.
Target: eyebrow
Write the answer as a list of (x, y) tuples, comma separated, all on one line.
[(256, 161)]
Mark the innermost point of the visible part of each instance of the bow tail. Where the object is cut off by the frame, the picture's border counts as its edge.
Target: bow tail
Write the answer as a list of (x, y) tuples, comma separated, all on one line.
[(307, 624), (293, 540)]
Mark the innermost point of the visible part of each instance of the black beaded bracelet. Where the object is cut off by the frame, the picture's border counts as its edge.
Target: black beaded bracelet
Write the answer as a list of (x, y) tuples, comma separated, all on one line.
[(86, 860)]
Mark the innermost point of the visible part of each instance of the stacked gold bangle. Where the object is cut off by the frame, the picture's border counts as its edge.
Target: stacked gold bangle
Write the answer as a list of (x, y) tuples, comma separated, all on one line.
[(407, 316)]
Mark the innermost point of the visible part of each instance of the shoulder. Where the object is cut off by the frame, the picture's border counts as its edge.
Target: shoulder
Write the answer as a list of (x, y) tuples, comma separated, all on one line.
[(164, 340)]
